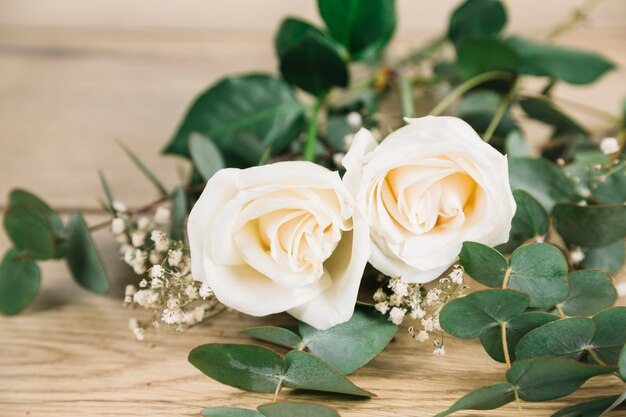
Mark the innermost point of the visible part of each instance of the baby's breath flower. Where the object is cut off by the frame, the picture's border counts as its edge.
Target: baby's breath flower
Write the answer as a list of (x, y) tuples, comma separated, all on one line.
[(143, 222), (143, 283), (161, 241), (119, 206), (162, 215), (396, 315), (138, 239), (348, 139), (175, 257), (609, 146), (439, 351), (354, 119), (205, 290), (422, 336), (156, 271), (155, 258), (338, 159), (118, 226), (576, 255), (382, 307)]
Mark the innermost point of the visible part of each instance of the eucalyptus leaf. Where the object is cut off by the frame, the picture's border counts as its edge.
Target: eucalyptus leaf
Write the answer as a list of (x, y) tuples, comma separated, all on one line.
[(82, 256), (590, 226), (18, 196), (107, 190), (205, 155), (515, 145), (305, 371), (471, 316), (610, 334), (483, 263), (277, 335), (544, 379), (542, 179), (591, 291), (475, 19), (516, 329), (612, 188), (314, 64), (477, 56), (243, 115), (539, 270), (363, 27), (29, 228), (19, 281), (291, 32), (296, 409), (567, 338), (530, 221), (179, 210), (543, 110), (607, 258), (485, 398), (229, 412), (350, 345), (570, 65), (622, 363), (250, 368), (593, 408)]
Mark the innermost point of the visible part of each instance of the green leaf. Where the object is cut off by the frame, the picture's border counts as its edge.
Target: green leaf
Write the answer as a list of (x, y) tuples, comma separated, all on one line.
[(18, 196), (515, 146), (28, 226), (607, 258), (590, 291), (530, 221), (82, 257), (611, 189), (314, 65), (516, 329), (610, 334), (305, 371), (19, 281), (277, 335), (478, 108), (145, 170), (544, 379), (539, 270), (570, 65), (568, 338), (471, 316), (205, 155), (622, 363), (350, 345), (294, 409), (291, 32), (107, 190), (543, 110), (485, 398), (363, 27), (179, 210), (593, 408), (244, 116), (542, 179), (475, 19), (477, 56), (229, 412), (250, 368), (590, 226), (483, 263)]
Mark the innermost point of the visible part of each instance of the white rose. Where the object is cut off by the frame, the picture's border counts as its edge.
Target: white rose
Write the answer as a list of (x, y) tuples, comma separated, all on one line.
[(427, 188), (280, 237)]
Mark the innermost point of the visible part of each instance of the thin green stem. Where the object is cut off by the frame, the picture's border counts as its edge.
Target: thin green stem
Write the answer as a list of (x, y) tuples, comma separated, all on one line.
[(500, 112), (279, 386), (406, 97), (311, 138), (507, 359), (466, 86)]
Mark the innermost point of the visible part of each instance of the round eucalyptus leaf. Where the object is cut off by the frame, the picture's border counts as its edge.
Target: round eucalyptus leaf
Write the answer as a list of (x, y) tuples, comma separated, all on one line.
[(590, 226), (476, 19), (543, 110), (544, 379), (590, 291), (471, 316), (483, 263), (477, 56), (244, 116), (305, 371), (82, 257), (295, 409), (28, 226), (607, 258), (229, 412), (277, 335), (539, 270), (622, 363), (568, 338), (205, 155), (516, 329), (610, 334), (486, 398), (19, 281), (612, 188), (530, 221), (291, 32), (18, 196), (247, 367)]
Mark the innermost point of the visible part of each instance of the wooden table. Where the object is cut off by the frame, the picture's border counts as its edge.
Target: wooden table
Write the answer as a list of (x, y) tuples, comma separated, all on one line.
[(66, 96)]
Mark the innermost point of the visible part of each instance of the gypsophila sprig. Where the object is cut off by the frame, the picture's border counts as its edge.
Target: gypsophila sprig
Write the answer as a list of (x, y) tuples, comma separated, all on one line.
[(422, 306)]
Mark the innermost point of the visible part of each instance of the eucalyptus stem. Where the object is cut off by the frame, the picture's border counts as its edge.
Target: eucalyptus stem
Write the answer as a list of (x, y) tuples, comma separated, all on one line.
[(579, 15), (279, 386), (405, 88), (500, 112), (466, 86), (311, 138)]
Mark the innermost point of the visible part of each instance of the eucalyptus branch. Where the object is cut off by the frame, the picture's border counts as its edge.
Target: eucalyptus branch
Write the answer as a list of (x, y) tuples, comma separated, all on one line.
[(500, 111), (467, 86)]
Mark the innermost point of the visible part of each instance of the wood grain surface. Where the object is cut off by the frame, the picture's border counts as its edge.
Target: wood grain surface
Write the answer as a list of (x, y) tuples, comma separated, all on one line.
[(66, 95)]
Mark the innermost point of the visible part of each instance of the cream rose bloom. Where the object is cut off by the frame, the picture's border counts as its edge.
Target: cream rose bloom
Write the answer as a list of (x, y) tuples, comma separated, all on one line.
[(280, 237), (424, 190)]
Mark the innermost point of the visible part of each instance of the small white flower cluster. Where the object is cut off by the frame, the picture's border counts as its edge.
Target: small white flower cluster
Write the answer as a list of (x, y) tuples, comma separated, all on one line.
[(421, 305), (168, 290)]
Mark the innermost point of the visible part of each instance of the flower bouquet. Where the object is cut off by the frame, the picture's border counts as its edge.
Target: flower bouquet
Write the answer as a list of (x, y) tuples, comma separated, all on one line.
[(307, 193)]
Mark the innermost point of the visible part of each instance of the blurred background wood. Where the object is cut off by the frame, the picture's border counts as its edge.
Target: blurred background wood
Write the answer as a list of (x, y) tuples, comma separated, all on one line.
[(78, 75)]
